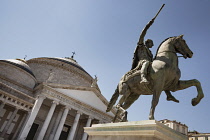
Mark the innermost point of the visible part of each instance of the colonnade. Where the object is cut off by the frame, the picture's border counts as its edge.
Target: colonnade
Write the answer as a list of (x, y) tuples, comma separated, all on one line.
[(29, 118), (5, 126)]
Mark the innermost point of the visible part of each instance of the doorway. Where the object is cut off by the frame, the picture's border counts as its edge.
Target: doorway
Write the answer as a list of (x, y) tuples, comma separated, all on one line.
[(32, 132), (65, 132)]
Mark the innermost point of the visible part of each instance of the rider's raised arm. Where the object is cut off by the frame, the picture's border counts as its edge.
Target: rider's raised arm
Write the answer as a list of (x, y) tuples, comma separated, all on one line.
[(144, 31), (140, 44)]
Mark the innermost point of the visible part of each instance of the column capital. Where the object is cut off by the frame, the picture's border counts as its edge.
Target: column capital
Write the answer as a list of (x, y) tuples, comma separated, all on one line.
[(55, 102), (62, 108), (67, 107), (41, 96), (90, 117), (17, 108), (79, 112)]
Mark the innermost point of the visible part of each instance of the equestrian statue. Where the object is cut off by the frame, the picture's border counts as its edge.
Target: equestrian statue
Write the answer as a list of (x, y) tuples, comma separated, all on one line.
[(150, 76)]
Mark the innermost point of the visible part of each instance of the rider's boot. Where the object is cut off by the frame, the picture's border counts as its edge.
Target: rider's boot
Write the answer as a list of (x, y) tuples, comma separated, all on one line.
[(144, 79)]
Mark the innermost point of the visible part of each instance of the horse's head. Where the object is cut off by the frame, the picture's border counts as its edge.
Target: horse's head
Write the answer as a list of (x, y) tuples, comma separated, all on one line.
[(182, 47)]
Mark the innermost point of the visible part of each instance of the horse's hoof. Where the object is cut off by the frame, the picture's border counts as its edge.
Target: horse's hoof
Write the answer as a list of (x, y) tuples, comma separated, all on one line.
[(194, 102), (151, 118), (197, 100), (172, 99)]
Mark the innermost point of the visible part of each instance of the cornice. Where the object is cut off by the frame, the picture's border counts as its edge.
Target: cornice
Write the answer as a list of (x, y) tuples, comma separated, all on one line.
[(15, 101)]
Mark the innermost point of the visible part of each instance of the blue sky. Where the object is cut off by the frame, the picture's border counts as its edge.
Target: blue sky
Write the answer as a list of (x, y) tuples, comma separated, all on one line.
[(104, 33)]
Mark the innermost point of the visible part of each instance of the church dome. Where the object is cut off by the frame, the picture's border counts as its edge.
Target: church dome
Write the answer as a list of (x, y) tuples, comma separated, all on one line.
[(17, 70), (65, 71)]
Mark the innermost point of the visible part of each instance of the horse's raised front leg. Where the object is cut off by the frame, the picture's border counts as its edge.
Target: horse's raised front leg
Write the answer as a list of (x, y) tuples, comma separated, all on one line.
[(183, 84)]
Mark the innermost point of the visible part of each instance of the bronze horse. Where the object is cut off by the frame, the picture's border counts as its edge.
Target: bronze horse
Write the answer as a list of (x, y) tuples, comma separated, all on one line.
[(164, 75)]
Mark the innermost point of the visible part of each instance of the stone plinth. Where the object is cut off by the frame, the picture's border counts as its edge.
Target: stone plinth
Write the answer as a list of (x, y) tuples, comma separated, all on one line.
[(138, 130)]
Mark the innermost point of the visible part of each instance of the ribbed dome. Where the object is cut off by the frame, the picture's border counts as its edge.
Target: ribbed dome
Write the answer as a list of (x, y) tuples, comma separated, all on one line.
[(19, 63), (17, 70), (69, 61), (65, 71)]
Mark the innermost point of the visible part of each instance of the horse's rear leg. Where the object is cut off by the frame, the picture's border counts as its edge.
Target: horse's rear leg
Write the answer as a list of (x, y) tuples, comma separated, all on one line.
[(125, 92), (130, 100), (183, 84)]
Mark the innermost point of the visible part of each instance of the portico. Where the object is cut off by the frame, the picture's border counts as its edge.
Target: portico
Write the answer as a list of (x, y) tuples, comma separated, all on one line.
[(54, 118), (53, 108)]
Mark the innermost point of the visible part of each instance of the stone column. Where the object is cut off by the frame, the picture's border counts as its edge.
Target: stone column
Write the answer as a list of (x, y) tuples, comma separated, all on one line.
[(47, 121), (9, 122), (19, 127), (74, 127), (84, 137), (62, 121), (53, 131), (1, 107), (32, 117), (24, 124)]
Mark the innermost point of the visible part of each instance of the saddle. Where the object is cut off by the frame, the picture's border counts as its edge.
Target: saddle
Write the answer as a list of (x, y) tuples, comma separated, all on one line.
[(146, 88)]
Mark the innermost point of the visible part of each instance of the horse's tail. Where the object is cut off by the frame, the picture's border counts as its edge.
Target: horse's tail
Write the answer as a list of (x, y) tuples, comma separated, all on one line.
[(113, 100)]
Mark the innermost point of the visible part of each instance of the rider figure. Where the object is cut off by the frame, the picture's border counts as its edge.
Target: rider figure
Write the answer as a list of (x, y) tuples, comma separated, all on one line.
[(142, 55)]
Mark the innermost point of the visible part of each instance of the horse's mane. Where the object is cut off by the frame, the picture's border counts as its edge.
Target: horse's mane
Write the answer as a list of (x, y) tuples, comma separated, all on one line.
[(161, 44)]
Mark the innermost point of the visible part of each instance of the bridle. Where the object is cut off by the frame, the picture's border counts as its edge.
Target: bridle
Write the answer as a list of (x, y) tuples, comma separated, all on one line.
[(170, 52)]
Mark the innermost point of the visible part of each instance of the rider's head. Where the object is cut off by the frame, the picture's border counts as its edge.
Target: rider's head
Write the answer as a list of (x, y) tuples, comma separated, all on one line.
[(149, 43)]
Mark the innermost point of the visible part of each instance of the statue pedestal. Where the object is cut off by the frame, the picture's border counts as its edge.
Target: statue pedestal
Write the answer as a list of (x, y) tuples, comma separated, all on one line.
[(138, 130)]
